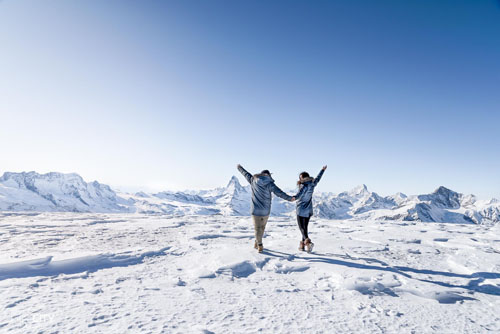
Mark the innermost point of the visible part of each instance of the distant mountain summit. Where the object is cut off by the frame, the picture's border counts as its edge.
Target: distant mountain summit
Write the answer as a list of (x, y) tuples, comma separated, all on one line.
[(30, 191), (443, 197), (234, 183), (69, 192), (358, 191), (234, 199)]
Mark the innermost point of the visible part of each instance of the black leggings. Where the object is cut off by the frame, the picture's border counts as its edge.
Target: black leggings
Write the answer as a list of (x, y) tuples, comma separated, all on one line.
[(303, 222)]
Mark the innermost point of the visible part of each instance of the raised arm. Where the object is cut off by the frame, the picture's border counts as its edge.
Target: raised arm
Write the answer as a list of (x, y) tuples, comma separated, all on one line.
[(316, 180), (246, 174), (280, 193)]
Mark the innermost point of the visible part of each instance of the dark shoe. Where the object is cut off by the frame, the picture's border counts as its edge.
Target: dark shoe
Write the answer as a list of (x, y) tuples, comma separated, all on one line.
[(301, 246)]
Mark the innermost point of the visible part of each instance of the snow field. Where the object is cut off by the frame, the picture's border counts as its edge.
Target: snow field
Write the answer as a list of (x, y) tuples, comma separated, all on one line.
[(116, 273)]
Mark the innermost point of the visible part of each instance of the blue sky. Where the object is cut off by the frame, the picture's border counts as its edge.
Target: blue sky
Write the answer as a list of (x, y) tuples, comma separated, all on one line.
[(399, 95)]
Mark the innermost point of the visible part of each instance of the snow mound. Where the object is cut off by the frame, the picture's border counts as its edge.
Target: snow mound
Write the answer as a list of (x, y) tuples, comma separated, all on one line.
[(92, 263)]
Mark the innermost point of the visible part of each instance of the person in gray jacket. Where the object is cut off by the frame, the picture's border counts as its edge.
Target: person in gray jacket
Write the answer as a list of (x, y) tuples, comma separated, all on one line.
[(305, 207), (262, 186)]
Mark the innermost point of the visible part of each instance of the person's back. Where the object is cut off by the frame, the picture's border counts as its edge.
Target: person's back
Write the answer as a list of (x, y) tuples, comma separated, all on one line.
[(261, 194), (262, 186), (304, 197), (305, 206)]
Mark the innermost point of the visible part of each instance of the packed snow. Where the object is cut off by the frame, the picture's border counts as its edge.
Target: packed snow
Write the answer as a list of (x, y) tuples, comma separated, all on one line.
[(158, 273)]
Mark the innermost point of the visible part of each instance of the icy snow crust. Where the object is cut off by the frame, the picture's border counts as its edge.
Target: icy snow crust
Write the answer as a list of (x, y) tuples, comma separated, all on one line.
[(117, 273)]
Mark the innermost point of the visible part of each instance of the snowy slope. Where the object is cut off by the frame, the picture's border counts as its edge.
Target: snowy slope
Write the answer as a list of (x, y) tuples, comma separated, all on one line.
[(56, 192), (133, 273), (68, 192)]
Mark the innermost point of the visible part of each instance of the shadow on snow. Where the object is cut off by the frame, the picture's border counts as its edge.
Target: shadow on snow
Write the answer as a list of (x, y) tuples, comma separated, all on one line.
[(474, 284)]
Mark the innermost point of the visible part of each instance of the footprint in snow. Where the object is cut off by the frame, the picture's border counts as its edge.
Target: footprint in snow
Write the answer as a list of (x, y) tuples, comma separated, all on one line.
[(441, 239), (285, 269), (238, 270), (449, 297)]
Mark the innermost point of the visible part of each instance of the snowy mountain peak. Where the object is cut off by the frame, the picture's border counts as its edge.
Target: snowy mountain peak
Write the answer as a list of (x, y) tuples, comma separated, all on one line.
[(359, 190), (234, 182), (442, 190), (24, 179), (56, 192), (443, 197), (141, 194)]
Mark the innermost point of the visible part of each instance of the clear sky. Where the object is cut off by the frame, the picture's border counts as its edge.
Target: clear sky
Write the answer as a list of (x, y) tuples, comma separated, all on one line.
[(399, 95)]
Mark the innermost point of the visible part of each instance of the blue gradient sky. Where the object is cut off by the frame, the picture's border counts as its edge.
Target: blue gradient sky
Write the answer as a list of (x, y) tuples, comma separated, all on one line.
[(399, 95)]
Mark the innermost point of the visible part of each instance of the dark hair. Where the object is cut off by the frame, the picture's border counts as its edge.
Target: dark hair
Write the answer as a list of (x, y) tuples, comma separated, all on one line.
[(304, 175)]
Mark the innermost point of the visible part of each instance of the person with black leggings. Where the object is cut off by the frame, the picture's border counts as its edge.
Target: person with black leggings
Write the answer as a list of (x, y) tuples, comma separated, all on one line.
[(305, 207)]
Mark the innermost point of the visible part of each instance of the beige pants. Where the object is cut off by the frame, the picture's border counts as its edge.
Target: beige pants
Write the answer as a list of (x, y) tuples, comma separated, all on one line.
[(259, 223)]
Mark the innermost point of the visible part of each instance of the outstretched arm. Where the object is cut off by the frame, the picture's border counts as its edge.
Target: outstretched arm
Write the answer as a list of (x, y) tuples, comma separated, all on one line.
[(300, 193), (316, 180), (280, 193), (246, 174)]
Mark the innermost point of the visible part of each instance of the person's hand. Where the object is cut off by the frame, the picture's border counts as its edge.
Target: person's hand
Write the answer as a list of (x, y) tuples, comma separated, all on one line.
[(293, 199), (324, 167), (238, 166)]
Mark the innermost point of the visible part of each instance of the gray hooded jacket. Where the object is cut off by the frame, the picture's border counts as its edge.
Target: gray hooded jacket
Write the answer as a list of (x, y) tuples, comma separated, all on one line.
[(262, 187), (304, 196)]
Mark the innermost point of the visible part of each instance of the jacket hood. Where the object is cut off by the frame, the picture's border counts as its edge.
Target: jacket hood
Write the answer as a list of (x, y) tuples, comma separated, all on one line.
[(265, 178), (307, 179)]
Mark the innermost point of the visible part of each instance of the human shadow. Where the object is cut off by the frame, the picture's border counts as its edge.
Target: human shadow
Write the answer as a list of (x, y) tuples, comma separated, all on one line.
[(473, 285)]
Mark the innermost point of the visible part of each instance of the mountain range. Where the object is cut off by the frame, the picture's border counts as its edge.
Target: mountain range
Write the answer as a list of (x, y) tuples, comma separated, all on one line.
[(30, 191)]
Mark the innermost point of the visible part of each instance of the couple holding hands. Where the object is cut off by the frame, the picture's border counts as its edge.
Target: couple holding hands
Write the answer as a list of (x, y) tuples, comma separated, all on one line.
[(263, 185)]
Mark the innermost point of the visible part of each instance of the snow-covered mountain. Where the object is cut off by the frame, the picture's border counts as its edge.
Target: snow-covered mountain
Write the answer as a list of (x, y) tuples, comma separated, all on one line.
[(234, 199), (56, 192), (443, 205), (69, 192)]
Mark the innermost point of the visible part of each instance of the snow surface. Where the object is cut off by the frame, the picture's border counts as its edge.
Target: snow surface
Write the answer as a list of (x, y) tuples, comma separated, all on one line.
[(117, 273)]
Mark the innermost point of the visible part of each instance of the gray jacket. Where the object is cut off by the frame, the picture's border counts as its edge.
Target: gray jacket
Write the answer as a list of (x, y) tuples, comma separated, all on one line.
[(262, 187), (304, 196)]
